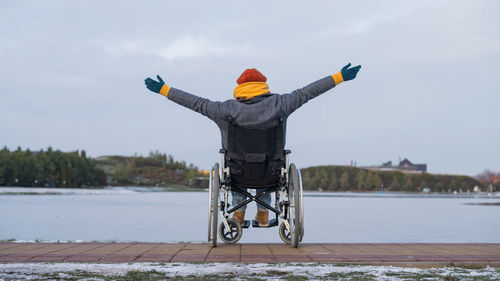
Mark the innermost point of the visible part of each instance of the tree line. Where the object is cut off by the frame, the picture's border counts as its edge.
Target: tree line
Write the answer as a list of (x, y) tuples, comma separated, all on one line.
[(155, 169), (54, 168), (51, 168), (347, 178)]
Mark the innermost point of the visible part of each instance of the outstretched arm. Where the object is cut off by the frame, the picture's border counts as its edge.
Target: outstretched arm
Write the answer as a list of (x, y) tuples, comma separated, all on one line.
[(298, 97), (211, 109)]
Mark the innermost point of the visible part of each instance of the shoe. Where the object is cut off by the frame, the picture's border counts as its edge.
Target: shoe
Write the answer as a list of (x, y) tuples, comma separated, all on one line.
[(239, 216), (262, 217)]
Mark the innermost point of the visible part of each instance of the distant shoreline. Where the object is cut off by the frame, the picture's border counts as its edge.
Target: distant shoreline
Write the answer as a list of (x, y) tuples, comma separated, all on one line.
[(108, 190)]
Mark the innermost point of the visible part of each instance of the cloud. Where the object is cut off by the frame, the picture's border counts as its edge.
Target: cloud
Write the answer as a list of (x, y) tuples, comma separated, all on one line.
[(363, 22), (125, 47), (58, 80), (190, 47), (367, 24), (186, 47)]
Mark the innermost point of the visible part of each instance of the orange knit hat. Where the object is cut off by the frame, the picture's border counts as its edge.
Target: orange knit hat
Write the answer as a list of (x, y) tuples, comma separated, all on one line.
[(251, 75)]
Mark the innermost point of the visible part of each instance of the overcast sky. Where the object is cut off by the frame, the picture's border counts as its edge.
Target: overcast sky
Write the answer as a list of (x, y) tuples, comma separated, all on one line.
[(72, 77)]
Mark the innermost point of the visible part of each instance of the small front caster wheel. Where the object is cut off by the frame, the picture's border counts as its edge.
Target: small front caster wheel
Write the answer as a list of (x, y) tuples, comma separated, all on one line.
[(285, 234), (233, 235)]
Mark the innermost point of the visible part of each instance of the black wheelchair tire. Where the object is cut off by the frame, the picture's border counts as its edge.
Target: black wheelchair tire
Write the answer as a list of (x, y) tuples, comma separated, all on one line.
[(284, 234), (294, 199), (215, 203)]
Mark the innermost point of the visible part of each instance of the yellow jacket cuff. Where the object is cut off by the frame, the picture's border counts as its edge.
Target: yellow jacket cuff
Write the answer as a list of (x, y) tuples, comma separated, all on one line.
[(337, 77), (164, 90)]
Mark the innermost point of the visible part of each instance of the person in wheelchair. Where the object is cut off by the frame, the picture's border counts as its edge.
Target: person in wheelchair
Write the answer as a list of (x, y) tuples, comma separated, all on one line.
[(254, 111)]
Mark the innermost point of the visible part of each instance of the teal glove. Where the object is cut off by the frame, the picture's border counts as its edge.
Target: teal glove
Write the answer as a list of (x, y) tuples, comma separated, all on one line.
[(153, 85), (350, 73)]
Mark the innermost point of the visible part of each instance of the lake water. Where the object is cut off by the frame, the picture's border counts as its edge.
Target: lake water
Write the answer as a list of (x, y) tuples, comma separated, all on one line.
[(138, 214)]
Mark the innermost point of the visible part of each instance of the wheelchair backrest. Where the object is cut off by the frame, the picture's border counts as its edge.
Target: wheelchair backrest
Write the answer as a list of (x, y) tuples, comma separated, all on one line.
[(255, 156)]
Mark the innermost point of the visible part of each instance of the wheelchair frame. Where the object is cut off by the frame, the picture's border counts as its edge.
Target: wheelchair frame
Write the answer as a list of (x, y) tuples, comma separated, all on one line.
[(288, 203)]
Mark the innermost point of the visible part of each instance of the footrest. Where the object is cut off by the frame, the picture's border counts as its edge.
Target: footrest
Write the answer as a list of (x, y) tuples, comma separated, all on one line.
[(246, 224), (272, 223)]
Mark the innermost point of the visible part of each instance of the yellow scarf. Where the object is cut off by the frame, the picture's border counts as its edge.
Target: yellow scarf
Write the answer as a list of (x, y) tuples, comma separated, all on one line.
[(250, 90)]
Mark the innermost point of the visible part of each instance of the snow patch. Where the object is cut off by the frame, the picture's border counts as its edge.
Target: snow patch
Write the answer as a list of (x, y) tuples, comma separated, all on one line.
[(311, 270)]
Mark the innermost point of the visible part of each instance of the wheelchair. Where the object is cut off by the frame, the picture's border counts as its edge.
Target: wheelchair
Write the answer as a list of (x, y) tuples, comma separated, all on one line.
[(255, 158)]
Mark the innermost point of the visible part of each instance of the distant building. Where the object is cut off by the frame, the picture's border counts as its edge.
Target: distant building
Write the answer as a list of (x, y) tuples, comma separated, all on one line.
[(407, 165)]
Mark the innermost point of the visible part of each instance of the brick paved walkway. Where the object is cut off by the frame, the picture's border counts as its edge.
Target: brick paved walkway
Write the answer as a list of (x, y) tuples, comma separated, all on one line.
[(393, 254)]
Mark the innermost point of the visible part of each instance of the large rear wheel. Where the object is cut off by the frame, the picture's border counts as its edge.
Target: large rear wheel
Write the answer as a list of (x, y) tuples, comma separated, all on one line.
[(213, 204), (294, 207), (301, 203)]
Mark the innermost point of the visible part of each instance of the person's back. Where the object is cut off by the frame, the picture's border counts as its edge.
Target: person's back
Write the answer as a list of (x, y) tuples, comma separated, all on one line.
[(254, 107)]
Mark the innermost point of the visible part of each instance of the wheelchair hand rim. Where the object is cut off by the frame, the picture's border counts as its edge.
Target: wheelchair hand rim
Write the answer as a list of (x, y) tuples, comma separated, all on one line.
[(301, 203)]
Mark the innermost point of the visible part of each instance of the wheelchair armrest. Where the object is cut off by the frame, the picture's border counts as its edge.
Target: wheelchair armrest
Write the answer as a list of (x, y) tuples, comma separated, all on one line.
[(287, 151)]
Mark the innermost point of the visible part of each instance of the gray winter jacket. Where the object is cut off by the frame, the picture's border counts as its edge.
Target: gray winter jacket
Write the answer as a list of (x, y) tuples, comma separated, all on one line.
[(259, 112)]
